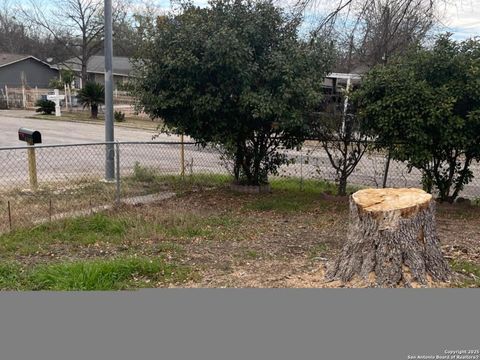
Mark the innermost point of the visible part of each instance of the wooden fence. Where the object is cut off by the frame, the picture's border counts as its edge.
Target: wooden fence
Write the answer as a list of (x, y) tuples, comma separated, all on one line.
[(25, 98)]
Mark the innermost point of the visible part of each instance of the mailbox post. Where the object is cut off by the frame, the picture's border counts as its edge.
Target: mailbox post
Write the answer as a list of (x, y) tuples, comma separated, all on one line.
[(31, 137)]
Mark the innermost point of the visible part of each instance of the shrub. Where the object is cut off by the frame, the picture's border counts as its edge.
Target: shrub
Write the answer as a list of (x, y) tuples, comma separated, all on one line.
[(45, 106), (425, 109), (119, 116)]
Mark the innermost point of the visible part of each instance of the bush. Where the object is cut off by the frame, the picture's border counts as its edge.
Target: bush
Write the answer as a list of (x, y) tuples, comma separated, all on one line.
[(45, 106), (425, 109), (119, 116), (236, 74)]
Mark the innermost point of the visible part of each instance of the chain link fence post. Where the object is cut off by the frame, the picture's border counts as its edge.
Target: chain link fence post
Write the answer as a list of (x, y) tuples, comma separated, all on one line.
[(182, 157), (117, 174), (385, 174), (301, 172)]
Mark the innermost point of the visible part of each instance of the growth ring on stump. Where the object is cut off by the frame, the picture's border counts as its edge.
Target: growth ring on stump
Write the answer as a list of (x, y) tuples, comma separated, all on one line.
[(392, 240)]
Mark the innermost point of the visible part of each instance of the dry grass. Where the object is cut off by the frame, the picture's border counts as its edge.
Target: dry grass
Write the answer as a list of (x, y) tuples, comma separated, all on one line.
[(54, 200), (233, 240)]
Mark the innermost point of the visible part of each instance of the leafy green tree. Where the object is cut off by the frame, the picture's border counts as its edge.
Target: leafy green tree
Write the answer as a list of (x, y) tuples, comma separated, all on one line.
[(235, 74), (92, 95), (66, 78), (425, 107)]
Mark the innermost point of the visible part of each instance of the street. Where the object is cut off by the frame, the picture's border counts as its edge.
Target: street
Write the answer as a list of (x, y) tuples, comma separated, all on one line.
[(61, 132), (60, 164)]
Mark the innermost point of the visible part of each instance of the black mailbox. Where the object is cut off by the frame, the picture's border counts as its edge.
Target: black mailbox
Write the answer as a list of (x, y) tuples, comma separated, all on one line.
[(29, 136)]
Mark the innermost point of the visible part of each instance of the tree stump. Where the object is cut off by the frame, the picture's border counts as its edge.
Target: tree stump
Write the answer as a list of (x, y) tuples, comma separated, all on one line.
[(391, 241)]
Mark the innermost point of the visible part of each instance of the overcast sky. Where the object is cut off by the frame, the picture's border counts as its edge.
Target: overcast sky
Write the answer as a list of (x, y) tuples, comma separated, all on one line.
[(463, 18)]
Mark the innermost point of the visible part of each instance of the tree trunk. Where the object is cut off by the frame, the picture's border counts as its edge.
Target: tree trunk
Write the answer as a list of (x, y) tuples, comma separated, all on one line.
[(94, 111), (342, 185), (392, 240)]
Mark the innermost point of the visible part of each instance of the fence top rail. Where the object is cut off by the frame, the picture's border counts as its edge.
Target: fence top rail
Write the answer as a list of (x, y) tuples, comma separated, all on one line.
[(40, 146)]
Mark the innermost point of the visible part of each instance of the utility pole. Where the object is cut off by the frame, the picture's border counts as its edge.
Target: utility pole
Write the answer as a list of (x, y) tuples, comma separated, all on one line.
[(109, 133)]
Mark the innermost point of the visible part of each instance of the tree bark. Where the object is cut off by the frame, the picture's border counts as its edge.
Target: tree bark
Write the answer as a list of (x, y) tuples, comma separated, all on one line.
[(391, 241), (94, 111)]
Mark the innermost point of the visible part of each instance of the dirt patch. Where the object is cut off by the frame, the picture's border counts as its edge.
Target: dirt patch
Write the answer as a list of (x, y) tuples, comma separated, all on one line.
[(294, 250)]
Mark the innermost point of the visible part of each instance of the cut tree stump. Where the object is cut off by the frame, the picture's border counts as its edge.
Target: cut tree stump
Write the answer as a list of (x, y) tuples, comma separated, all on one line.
[(392, 240)]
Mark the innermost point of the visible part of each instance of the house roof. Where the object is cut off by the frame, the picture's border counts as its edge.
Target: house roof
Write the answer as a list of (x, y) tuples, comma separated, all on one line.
[(7, 59), (96, 64)]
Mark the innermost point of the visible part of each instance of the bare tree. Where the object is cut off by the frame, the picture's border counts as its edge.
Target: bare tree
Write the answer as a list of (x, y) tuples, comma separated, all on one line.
[(339, 132), (369, 32), (13, 35), (18, 37), (77, 24), (389, 27)]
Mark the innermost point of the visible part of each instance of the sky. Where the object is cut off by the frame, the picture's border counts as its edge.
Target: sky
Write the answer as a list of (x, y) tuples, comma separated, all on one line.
[(461, 17)]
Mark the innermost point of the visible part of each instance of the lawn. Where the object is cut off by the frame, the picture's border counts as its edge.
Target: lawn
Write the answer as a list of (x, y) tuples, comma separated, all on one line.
[(210, 237), (131, 121)]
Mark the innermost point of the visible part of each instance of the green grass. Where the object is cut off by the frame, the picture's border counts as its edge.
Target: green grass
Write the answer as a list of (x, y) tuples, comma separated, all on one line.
[(318, 250), (288, 196), (10, 276), (82, 230), (131, 121), (116, 274), (251, 254), (113, 228), (104, 275), (153, 181), (467, 268)]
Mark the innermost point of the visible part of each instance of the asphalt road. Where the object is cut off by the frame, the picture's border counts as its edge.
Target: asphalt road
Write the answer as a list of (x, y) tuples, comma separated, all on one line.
[(72, 163), (60, 132), (64, 164)]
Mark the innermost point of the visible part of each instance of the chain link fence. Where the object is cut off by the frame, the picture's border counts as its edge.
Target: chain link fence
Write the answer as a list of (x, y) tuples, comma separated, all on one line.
[(58, 181)]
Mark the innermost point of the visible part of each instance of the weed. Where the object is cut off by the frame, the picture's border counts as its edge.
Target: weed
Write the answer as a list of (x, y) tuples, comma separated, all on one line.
[(469, 269), (143, 174), (251, 254), (318, 250)]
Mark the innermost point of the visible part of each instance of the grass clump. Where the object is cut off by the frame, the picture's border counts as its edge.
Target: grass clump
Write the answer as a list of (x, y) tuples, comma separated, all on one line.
[(114, 274), (469, 269), (10, 276), (143, 174), (155, 181), (81, 230), (251, 254), (318, 250)]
